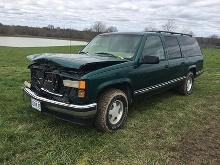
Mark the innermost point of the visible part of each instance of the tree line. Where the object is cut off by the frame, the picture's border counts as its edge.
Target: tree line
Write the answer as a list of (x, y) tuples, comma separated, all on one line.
[(49, 31), (56, 32), (88, 33)]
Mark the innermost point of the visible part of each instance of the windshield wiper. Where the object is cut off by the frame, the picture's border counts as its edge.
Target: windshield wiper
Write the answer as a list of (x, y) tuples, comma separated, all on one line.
[(109, 54)]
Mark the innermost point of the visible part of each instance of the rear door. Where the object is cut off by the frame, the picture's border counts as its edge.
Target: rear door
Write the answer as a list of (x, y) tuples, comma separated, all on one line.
[(175, 60)]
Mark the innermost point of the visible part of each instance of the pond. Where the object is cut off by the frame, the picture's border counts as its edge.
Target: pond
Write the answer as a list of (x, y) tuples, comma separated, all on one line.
[(36, 42)]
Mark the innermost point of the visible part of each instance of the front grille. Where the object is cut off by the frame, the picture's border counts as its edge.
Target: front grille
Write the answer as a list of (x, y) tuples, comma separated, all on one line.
[(49, 84), (47, 80), (52, 82)]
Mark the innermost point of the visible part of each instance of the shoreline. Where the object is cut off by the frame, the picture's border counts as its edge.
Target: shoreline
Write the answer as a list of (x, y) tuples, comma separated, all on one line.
[(27, 41), (43, 37)]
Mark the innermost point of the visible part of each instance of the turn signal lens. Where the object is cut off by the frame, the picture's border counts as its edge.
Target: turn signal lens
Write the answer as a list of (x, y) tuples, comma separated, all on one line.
[(81, 93), (82, 85)]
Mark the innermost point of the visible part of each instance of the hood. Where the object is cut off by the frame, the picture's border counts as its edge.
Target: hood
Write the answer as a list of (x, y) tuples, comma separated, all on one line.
[(75, 61)]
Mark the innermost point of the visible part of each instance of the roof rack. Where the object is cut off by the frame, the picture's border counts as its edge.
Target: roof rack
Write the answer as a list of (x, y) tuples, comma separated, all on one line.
[(171, 33)]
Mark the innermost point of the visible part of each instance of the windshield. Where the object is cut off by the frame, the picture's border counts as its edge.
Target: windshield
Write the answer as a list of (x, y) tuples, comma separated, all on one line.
[(117, 45)]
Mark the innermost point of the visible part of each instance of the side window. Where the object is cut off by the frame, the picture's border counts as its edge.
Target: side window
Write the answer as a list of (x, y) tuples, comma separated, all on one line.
[(153, 47), (189, 46), (172, 47)]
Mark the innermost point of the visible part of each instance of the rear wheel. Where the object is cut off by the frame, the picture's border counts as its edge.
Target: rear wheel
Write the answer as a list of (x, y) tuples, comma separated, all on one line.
[(112, 110), (187, 85)]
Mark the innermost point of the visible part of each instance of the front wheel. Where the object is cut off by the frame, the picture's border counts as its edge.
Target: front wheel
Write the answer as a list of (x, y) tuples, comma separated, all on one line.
[(112, 110), (187, 85)]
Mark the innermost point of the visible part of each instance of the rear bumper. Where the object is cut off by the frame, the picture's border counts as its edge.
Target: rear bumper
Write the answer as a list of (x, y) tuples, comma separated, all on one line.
[(63, 109)]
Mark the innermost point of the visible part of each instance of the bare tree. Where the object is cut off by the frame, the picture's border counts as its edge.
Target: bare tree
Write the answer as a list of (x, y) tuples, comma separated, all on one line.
[(112, 29), (50, 26), (98, 27), (169, 26)]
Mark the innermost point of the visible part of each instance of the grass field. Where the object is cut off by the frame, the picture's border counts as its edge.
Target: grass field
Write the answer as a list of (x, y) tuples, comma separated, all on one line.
[(166, 128)]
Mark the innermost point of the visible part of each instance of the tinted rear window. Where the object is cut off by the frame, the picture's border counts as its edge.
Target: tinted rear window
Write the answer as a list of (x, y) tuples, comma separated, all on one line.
[(172, 47), (189, 46)]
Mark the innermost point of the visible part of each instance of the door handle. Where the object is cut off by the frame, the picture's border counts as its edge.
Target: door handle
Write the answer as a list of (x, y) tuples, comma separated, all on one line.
[(166, 66)]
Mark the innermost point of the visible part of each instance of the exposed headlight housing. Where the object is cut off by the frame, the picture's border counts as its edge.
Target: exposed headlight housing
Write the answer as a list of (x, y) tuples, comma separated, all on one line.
[(75, 84)]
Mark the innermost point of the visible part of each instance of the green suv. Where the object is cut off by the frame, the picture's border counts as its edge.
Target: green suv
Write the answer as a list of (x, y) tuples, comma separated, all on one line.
[(98, 84)]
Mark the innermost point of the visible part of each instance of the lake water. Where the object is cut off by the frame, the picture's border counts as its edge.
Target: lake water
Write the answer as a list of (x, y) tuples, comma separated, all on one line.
[(36, 42)]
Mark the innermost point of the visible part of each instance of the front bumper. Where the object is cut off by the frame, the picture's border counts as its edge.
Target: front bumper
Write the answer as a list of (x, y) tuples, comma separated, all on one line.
[(62, 109)]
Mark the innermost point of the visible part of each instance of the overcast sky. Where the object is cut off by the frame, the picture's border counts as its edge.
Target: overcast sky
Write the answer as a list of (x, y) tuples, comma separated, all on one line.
[(200, 16)]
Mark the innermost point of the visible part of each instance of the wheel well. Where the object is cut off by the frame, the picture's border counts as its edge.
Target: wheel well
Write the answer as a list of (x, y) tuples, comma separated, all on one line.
[(125, 87), (193, 70)]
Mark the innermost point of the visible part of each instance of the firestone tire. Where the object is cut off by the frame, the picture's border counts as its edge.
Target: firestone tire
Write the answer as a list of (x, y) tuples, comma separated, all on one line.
[(187, 85), (112, 110)]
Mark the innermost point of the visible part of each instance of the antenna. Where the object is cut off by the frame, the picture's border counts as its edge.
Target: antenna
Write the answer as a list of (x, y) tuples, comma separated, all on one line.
[(70, 39)]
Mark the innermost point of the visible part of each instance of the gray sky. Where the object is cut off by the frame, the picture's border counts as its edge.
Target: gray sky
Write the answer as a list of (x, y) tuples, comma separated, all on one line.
[(200, 16)]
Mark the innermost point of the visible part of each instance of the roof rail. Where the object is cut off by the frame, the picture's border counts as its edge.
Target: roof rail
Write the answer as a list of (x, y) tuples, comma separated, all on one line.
[(171, 33)]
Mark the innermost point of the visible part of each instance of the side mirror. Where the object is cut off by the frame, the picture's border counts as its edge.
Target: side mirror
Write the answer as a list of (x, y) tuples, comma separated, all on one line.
[(149, 60)]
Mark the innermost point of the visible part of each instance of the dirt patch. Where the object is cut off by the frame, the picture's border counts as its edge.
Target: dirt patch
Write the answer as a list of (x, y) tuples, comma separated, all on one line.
[(199, 147)]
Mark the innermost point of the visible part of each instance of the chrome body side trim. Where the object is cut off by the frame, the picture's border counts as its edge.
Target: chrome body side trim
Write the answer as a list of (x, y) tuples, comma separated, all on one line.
[(158, 85)]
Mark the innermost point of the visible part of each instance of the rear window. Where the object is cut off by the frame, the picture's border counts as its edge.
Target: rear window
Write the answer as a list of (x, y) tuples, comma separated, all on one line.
[(189, 46), (172, 47)]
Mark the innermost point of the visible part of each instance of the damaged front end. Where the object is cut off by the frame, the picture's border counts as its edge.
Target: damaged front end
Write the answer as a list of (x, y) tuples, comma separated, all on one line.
[(47, 81), (58, 76), (57, 86), (51, 87)]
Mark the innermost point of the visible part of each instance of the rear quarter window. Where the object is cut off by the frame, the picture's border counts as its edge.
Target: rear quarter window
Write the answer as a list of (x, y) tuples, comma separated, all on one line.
[(172, 47), (189, 46)]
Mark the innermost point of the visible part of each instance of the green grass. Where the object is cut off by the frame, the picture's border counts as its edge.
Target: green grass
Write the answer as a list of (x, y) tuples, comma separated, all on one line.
[(155, 125)]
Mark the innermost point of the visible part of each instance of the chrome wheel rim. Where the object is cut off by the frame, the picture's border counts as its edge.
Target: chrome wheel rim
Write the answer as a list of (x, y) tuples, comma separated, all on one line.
[(189, 84), (115, 111)]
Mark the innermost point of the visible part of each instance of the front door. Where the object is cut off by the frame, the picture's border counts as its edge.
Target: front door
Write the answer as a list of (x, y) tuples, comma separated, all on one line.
[(150, 77)]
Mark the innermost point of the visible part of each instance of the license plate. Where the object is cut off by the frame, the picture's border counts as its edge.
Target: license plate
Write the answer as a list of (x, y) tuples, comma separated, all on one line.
[(36, 104)]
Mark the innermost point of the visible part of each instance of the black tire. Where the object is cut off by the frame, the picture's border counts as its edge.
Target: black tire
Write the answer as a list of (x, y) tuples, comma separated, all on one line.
[(183, 89), (105, 102)]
